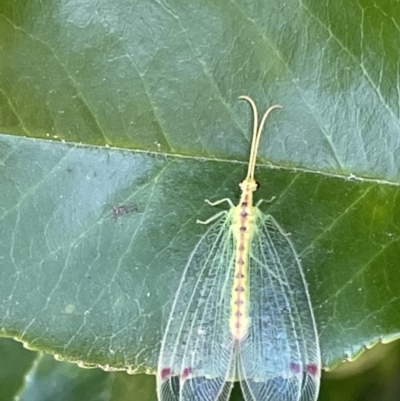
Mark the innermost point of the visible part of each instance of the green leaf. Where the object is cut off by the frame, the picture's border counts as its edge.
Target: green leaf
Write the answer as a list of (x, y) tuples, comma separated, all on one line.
[(15, 361), (32, 376), (158, 83), (46, 377)]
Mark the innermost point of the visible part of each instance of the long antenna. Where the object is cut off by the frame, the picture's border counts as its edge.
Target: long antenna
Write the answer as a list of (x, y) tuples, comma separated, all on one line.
[(257, 130)]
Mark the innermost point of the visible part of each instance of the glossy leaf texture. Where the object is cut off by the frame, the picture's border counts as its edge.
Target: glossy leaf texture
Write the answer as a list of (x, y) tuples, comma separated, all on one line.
[(95, 237)]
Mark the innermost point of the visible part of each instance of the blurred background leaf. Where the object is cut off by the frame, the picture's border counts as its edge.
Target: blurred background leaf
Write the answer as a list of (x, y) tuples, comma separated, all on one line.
[(38, 377)]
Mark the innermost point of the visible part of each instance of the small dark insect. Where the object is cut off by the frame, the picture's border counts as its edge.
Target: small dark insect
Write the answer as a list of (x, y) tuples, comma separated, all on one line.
[(120, 210)]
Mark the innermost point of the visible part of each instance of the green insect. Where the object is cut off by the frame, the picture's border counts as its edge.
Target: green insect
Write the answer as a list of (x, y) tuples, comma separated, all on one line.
[(242, 311)]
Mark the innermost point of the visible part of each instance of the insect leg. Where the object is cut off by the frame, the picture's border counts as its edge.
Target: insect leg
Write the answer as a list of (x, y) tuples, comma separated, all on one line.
[(212, 218), (220, 201), (265, 200)]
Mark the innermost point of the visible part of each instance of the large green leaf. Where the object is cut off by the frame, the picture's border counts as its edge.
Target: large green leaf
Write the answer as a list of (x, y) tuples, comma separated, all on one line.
[(162, 80)]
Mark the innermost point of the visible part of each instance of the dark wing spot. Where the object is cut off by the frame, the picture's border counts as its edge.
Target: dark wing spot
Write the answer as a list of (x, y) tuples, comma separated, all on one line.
[(165, 373)]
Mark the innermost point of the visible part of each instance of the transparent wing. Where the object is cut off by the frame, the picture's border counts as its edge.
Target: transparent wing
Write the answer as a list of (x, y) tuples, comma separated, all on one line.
[(197, 352), (279, 360)]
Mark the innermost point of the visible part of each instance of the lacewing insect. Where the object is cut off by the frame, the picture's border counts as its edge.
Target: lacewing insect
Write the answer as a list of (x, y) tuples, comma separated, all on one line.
[(242, 311)]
